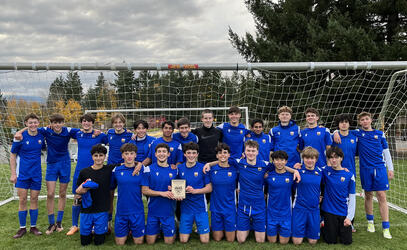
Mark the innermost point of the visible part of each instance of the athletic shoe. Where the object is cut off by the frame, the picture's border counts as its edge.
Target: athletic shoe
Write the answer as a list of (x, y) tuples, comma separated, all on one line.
[(73, 230), (370, 228), (59, 227), (51, 228), (35, 231), (386, 233), (20, 233)]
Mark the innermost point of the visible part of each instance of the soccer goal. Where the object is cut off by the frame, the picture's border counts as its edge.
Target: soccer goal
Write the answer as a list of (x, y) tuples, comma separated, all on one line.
[(158, 92)]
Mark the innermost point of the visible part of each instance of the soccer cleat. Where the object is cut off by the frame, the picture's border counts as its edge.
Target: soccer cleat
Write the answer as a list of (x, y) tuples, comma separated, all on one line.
[(59, 227), (35, 231), (73, 230), (51, 228), (370, 228), (386, 233), (20, 233)]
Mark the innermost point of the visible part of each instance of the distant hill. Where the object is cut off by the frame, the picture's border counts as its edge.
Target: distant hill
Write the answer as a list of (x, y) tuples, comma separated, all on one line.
[(27, 98)]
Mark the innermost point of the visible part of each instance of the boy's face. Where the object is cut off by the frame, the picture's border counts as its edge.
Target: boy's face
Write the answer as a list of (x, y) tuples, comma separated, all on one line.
[(365, 122), (223, 156), (207, 120), (98, 158), (118, 125), (343, 126), (234, 117), (311, 118), (162, 154), (284, 117), (129, 156), (251, 153), (279, 163), (191, 156), (32, 124), (167, 130), (335, 160), (184, 130), (141, 131), (87, 125), (310, 162), (257, 128), (57, 126)]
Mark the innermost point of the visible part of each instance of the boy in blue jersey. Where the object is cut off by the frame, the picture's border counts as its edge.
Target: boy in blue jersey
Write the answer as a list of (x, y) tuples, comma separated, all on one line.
[(194, 206), (374, 156), (157, 185), (306, 215), (86, 139), (315, 136), (25, 166), (338, 206), (95, 197), (184, 136), (279, 206), (262, 139), (286, 136), (142, 141), (234, 132), (130, 207)]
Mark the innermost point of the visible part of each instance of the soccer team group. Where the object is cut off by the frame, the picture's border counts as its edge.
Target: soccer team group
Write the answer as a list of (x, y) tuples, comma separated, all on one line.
[(289, 183)]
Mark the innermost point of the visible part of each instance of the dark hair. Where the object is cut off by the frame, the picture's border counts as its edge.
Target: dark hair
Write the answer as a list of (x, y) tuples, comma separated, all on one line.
[(98, 149), (251, 143), (312, 110), (87, 117), (168, 123), (280, 154), (222, 146), (334, 150), (234, 109), (128, 147), (31, 116), (162, 145), (190, 146), (183, 121), (137, 123), (257, 121), (206, 111), (342, 118), (56, 118)]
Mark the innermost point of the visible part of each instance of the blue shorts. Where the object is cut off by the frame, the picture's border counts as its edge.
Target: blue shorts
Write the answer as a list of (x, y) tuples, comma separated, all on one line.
[(60, 169), (157, 223), (306, 223), (220, 221), (124, 223), (246, 214), (374, 179), (281, 226), (95, 221), (187, 221), (31, 183)]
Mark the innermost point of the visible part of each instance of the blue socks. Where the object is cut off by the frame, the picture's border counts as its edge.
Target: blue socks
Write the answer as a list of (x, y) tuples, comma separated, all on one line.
[(60, 216), (369, 217), (75, 215), (51, 219), (22, 217), (33, 217), (385, 224)]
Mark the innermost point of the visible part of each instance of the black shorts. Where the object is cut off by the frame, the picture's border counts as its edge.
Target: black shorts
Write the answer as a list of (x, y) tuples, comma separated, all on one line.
[(334, 228)]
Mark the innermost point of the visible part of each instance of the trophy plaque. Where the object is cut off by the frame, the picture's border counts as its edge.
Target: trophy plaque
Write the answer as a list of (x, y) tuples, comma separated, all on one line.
[(178, 188)]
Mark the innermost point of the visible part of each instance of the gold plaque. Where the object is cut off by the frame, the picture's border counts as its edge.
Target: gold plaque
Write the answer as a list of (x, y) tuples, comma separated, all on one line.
[(178, 188)]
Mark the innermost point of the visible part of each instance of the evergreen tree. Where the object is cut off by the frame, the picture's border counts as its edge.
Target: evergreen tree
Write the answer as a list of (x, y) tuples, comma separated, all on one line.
[(56, 91), (73, 87), (124, 85)]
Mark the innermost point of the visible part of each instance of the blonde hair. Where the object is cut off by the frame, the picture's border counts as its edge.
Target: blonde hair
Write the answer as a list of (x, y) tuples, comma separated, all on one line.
[(118, 116), (309, 152), (285, 109), (363, 114)]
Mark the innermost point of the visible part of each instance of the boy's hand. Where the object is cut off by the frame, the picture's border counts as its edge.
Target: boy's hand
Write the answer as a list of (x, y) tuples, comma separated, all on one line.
[(297, 176), (337, 137), (137, 169), (206, 168), (297, 166)]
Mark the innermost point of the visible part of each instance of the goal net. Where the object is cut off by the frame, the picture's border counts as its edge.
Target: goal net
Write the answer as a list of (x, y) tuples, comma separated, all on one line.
[(171, 91)]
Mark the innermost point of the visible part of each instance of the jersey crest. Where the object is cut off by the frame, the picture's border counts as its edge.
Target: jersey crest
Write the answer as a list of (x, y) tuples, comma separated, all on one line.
[(170, 175), (196, 174), (274, 178), (241, 131), (287, 180), (376, 137), (171, 149), (229, 174), (264, 140), (316, 172), (123, 140), (182, 173), (318, 133), (342, 179), (352, 141), (259, 168), (121, 173), (292, 133), (215, 172), (39, 142), (156, 173)]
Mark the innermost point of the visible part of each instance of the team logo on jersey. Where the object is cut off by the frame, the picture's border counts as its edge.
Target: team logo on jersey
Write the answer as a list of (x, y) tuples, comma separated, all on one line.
[(264, 140), (111, 137), (316, 172), (303, 171), (196, 174), (352, 141), (278, 132), (229, 174), (342, 179), (245, 166), (318, 133), (376, 137), (121, 173), (39, 142), (287, 180), (292, 133), (228, 130), (363, 134), (171, 149), (216, 172), (259, 168), (27, 142), (157, 173), (241, 131), (274, 178), (170, 175), (81, 135), (182, 173), (329, 173), (123, 140), (306, 135)]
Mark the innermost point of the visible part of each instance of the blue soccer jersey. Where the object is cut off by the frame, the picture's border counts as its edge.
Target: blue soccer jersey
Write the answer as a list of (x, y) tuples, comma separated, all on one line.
[(264, 142), (308, 190), (182, 140), (317, 138), (279, 195), (176, 154), (349, 148), (234, 138), (193, 203), (287, 138), (158, 178), (224, 184), (57, 144), (28, 151), (143, 147), (115, 142), (339, 184), (129, 196), (370, 148)]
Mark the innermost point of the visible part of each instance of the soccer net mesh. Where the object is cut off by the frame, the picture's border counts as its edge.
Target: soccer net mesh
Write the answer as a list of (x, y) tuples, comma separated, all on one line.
[(171, 94)]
